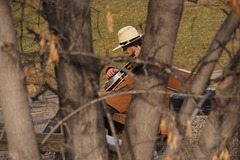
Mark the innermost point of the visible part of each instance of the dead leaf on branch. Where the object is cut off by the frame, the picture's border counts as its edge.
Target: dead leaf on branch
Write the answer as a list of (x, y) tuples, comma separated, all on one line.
[(215, 157), (168, 158), (37, 31), (31, 89), (107, 52), (189, 129), (224, 155), (42, 43), (109, 20), (53, 53), (27, 71), (163, 126), (169, 139), (100, 157), (174, 141), (234, 5), (52, 112)]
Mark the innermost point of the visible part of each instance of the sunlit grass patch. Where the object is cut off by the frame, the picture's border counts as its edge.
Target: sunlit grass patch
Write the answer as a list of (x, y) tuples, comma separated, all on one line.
[(198, 26)]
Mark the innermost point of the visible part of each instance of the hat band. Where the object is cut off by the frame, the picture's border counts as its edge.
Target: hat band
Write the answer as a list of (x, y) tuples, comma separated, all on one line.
[(129, 41)]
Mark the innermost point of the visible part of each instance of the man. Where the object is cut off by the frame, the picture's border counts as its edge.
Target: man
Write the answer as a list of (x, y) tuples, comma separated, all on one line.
[(130, 41)]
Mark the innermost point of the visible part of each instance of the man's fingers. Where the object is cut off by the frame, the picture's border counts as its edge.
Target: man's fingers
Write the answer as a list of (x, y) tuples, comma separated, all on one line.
[(115, 70), (111, 72)]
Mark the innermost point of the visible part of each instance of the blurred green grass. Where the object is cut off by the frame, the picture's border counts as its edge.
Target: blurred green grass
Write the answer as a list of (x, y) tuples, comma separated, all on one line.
[(29, 17), (199, 24), (198, 27)]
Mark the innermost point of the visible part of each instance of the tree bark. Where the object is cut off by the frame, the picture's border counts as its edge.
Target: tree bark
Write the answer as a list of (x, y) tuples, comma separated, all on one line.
[(13, 94), (144, 114), (224, 118), (77, 78), (200, 82)]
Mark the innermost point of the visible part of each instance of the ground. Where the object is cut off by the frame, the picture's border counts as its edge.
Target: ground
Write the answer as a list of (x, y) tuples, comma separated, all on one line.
[(45, 108), (42, 112)]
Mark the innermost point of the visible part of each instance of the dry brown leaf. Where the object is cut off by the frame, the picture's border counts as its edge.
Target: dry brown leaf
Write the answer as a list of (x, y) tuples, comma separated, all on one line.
[(31, 89), (169, 140), (221, 155), (37, 31), (107, 52), (52, 112), (174, 142), (215, 157), (163, 126), (189, 129), (26, 70), (53, 53), (224, 155), (42, 43), (55, 38), (100, 157), (168, 158), (110, 21), (234, 5)]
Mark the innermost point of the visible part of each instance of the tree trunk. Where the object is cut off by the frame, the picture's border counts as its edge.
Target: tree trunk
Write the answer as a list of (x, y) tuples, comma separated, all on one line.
[(144, 114), (200, 81), (77, 78), (13, 94), (224, 118)]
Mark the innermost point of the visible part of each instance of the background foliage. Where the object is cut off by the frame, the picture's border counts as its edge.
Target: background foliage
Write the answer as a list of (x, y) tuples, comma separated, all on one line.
[(199, 25)]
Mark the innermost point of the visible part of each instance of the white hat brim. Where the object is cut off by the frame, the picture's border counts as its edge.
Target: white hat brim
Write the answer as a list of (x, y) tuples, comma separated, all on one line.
[(120, 46)]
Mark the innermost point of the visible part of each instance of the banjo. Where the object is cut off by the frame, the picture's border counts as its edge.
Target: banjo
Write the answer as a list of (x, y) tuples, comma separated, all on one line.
[(117, 79)]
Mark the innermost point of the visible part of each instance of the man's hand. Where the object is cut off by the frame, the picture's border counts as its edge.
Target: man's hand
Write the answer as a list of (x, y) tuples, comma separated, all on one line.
[(137, 51), (111, 72)]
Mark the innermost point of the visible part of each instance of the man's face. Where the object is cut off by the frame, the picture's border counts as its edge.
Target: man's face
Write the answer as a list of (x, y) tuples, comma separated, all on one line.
[(130, 50)]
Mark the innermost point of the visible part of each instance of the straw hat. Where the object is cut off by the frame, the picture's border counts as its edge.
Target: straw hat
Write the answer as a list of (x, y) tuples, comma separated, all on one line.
[(126, 36)]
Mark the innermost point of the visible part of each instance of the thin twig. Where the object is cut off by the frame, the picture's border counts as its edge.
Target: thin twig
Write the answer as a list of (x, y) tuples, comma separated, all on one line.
[(109, 117), (199, 105), (46, 87), (2, 133)]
